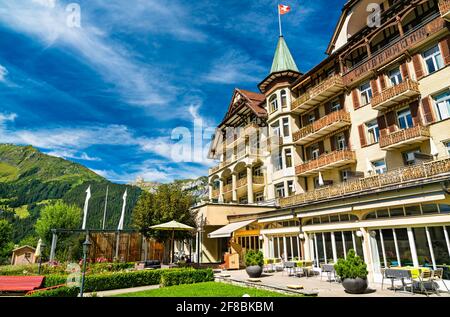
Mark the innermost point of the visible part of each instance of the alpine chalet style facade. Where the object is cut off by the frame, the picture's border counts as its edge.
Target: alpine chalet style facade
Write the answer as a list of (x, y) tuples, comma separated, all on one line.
[(353, 154)]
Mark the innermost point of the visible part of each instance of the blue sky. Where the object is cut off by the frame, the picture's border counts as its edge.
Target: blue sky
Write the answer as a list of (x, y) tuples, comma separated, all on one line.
[(110, 93)]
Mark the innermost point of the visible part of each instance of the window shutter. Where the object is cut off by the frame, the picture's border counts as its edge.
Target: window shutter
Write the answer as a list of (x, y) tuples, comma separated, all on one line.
[(418, 67), (342, 101), (414, 108), (317, 113), (362, 135), (321, 148), (428, 110), (305, 120), (374, 86), (347, 138), (381, 120), (355, 95), (390, 120), (383, 83), (327, 108), (333, 143), (404, 71), (308, 153), (445, 49)]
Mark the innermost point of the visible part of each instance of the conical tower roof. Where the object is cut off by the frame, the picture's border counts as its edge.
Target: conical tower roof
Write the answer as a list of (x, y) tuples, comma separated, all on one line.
[(283, 59)]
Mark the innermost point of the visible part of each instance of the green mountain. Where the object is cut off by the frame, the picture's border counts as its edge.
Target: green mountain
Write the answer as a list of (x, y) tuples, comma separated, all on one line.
[(30, 179)]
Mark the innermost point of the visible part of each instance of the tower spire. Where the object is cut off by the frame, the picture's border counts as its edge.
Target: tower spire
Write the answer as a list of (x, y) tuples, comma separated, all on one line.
[(283, 59)]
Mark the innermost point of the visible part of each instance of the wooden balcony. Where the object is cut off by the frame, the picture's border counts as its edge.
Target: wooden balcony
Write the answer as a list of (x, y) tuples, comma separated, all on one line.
[(227, 188), (402, 138), (444, 8), (215, 193), (318, 94), (257, 180), (395, 95), (398, 177), (322, 127), (247, 152), (326, 161), (240, 134)]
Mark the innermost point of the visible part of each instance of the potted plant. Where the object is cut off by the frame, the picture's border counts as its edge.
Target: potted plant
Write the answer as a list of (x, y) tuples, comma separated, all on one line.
[(353, 273), (254, 261)]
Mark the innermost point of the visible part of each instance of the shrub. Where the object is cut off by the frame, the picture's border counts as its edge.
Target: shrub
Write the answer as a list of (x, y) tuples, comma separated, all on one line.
[(186, 276), (63, 291), (253, 258), (352, 267)]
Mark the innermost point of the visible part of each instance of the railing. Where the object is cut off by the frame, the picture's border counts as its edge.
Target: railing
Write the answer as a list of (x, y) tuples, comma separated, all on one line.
[(444, 7), (404, 135), (215, 193), (300, 100), (258, 180), (248, 151), (325, 160), (241, 182), (394, 91), (227, 188), (240, 132), (396, 177), (333, 117)]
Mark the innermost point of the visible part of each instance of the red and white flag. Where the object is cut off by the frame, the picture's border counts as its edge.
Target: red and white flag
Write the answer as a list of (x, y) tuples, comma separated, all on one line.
[(283, 9)]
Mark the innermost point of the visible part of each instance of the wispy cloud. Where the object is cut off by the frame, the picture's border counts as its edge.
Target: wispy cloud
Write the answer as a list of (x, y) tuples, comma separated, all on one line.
[(3, 73)]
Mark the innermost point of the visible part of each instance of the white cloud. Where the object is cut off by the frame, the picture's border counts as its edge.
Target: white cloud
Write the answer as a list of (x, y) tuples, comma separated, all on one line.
[(3, 73), (69, 154)]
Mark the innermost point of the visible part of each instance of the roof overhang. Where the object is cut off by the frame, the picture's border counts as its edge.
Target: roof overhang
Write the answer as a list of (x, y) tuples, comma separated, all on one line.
[(277, 75), (227, 231)]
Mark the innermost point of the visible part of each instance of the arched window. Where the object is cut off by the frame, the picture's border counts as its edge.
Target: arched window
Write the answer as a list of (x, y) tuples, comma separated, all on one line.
[(283, 99), (273, 102)]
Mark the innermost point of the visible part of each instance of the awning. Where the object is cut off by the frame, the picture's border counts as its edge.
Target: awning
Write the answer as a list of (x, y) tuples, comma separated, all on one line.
[(226, 231)]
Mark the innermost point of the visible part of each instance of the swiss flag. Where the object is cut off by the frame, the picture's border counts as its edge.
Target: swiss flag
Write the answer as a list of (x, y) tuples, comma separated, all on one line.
[(283, 9)]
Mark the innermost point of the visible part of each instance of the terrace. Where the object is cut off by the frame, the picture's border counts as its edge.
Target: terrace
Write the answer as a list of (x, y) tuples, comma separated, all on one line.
[(395, 95), (405, 137), (397, 177), (327, 161)]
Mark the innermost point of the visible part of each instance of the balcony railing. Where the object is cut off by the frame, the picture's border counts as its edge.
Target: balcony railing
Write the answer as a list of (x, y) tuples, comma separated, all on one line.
[(318, 93), (248, 152), (444, 7), (258, 180), (326, 161), (391, 178), (227, 188), (411, 39), (404, 137), (395, 95), (321, 127), (240, 133), (215, 193)]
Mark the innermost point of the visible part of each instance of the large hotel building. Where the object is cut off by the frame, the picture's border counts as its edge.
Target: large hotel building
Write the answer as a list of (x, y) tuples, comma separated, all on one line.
[(353, 154)]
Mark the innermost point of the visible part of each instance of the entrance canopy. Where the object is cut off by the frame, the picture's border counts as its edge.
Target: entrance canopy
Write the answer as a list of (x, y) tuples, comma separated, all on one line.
[(227, 231)]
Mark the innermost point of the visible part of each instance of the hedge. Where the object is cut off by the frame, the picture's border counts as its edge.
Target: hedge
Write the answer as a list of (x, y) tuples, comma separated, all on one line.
[(57, 292), (186, 276), (118, 280)]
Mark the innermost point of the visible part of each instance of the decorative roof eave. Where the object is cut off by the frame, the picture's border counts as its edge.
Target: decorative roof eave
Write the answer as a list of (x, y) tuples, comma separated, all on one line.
[(273, 76)]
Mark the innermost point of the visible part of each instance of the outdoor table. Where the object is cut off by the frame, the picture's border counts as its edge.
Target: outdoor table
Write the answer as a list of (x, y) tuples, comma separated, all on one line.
[(415, 274), (306, 265)]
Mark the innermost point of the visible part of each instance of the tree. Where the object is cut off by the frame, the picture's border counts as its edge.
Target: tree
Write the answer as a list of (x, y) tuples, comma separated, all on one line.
[(57, 216), (6, 244), (168, 203)]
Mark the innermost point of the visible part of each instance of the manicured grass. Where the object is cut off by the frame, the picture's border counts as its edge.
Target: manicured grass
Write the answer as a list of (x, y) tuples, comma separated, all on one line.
[(208, 289)]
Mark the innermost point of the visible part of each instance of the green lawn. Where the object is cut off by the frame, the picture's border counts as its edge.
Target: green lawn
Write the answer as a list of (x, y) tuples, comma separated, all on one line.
[(209, 289)]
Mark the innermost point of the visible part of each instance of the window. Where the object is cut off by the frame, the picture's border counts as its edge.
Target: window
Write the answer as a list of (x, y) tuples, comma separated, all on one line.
[(340, 142), (405, 120), (379, 167), (279, 190), (373, 132), (278, 161), (395, 77), (273, 103), (291, 188), (442, 103), (366, 93), (311, 118), (448, 147), (283, 99), (285, 122), (276, 129), (259, 197), (243, 200), (257, 171), (335, 106), (288, 157), (345, 174), (315, 151), (433, 59)]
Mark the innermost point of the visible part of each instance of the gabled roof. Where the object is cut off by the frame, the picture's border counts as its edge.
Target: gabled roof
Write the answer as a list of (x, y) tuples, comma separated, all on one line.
[(252, 100), (24, 247), (283, 59)]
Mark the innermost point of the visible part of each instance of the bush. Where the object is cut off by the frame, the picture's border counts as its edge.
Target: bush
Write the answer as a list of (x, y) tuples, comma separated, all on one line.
[(254, 258), (352, 267), (186, 276), (63, 291)]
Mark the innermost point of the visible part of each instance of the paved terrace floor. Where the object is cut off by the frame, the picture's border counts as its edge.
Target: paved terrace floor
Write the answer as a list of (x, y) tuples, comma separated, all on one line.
[(313, 284)]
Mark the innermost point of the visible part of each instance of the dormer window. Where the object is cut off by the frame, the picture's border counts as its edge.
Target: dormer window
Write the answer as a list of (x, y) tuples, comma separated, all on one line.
[(273, 103), (283, 99)]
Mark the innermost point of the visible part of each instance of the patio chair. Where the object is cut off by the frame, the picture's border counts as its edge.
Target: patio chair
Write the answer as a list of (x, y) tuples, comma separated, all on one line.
[(438, 276), (425, 278), (401, 275), (329, 269), (289, 267)]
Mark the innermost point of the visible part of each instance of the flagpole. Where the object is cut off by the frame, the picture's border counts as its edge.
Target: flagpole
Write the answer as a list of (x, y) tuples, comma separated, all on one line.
[(279, 19), (104, 212)]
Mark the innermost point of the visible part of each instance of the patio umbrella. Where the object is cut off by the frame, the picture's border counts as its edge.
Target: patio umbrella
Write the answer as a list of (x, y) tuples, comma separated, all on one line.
[(321, 182), (433, 149), (37, 253), (172, 226)]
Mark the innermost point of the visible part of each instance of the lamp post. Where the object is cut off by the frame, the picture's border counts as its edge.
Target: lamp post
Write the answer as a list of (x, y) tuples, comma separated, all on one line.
[(41, 250), (86, 245)]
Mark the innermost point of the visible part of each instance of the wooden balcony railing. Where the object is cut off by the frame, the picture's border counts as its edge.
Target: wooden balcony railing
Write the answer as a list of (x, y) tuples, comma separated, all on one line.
[(396, 177), (240, 133), (325, 160), (241, 182), (235, 157), (227, 188), (444, 7), (215, 193), (404, 135), (408, 86), (300, 100), (323, 122), (259, 180)]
